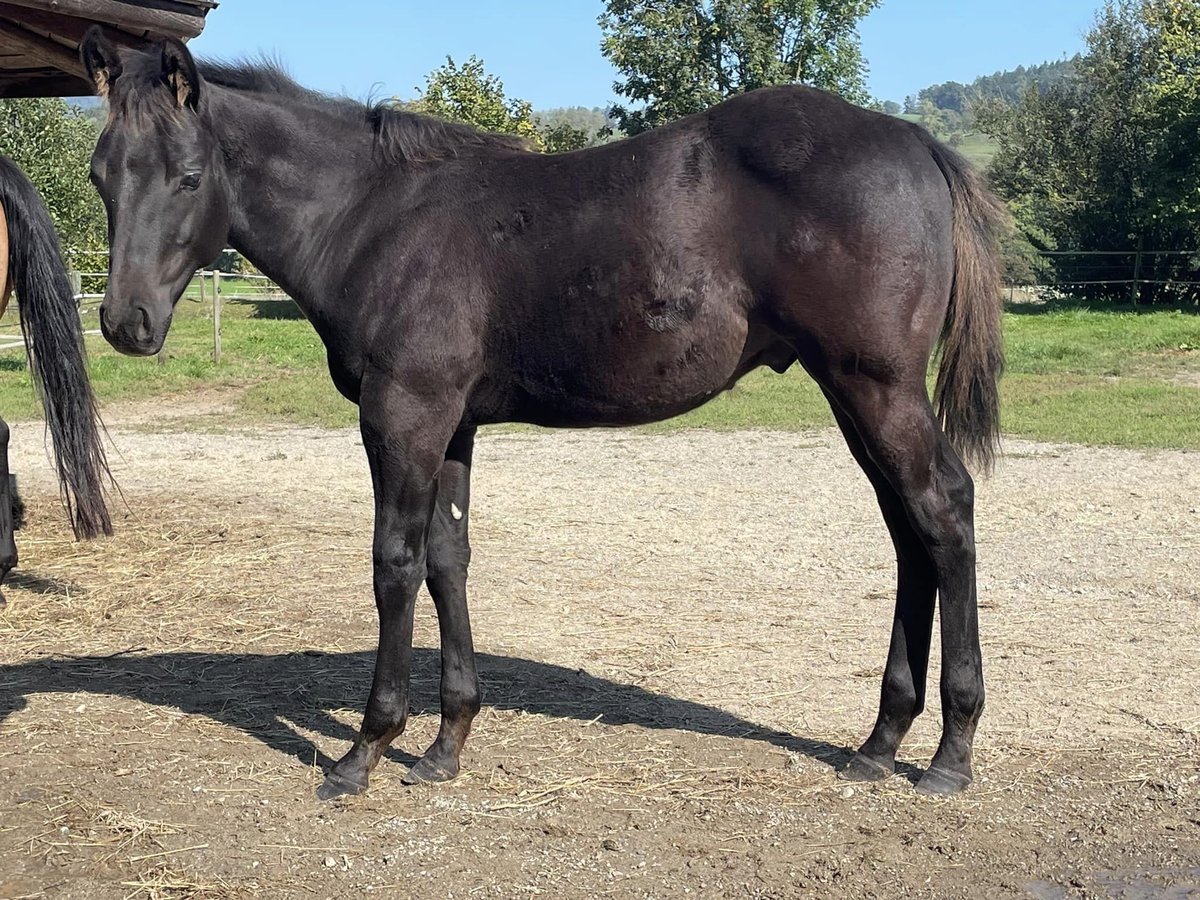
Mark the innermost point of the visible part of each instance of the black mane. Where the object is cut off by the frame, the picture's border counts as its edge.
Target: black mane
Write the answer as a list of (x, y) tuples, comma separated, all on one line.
[(401, 135)]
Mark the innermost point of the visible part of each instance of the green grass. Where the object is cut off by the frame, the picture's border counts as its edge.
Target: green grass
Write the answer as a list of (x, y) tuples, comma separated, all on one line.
[(979, 149), (788, 402), (1078, 374), (1087, 410), (1086, 340)]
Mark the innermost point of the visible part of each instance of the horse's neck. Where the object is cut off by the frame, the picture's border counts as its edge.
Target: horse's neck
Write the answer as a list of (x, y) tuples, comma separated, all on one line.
[(293, 184)]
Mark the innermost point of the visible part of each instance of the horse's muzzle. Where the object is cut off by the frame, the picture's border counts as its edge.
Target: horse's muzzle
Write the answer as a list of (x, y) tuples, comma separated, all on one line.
[(134, 332)]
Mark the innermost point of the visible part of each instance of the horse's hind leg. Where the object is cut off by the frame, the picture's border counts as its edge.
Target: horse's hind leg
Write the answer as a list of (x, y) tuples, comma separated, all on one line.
[(447, 557), (8, 506), (902, 696), (901, 436)]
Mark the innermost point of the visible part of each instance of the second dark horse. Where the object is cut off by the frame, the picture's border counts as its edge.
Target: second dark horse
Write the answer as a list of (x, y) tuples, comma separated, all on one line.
[(458, 279)]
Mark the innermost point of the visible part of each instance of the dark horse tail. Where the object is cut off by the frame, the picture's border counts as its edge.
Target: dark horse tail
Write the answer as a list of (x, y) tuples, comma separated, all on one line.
[(972, 355), (54, 340)]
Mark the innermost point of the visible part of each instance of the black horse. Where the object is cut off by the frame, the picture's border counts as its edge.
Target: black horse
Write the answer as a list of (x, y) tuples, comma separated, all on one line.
[(31, 262), (459, 279)]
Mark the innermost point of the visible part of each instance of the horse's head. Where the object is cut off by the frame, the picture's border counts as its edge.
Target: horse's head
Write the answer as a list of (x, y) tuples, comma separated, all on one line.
[(158, 170)]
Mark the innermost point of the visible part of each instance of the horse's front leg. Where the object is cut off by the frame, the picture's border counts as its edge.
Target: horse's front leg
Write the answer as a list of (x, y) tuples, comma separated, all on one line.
[(448, 557), (405, 434)]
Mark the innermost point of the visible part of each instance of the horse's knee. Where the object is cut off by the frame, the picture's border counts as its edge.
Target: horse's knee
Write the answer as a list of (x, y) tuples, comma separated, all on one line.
[(399, 568), (449, 553)]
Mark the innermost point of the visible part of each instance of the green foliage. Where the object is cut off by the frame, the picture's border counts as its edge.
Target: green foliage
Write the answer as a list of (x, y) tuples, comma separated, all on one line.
[(581, 125), (52, 143), (468, 94), (1108, 159), (1175, 93), (678, 57), (1008, 86), (947, 110), (950, 96), (943, 124)]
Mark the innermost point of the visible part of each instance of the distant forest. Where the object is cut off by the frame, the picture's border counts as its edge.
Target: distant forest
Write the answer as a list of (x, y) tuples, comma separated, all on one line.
[(1008, 86)]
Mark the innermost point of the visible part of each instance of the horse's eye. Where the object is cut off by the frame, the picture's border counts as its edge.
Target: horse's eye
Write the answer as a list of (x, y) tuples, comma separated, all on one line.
[(190, 181)]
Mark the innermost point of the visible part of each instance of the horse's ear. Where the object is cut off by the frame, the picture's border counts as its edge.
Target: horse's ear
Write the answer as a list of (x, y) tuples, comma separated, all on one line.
[(180, 73), (100, 59)]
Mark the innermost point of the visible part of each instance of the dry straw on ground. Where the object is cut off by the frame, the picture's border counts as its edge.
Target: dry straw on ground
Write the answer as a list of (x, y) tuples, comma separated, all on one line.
[(679, 638)]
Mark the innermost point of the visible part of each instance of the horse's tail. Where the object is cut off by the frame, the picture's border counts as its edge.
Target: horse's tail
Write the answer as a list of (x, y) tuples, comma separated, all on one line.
[(54, 341), (972, 355)]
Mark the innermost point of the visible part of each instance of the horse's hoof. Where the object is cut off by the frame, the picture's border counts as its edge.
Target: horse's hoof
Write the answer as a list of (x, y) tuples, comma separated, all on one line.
[(336, 786), (863, 768), (3, 602), (426, 771), (942, 782)]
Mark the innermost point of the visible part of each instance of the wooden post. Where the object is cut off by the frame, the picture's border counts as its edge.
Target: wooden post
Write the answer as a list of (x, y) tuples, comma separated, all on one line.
[(1137, 269), (216, 316)]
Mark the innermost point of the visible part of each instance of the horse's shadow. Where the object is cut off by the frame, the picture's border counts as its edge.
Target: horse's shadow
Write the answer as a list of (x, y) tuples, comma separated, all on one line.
[(265, 696)]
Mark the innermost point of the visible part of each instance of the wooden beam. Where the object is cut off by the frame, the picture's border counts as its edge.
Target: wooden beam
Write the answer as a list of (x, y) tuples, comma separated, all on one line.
[(50, 52), (68, 27), (156, 16), (47, 84)]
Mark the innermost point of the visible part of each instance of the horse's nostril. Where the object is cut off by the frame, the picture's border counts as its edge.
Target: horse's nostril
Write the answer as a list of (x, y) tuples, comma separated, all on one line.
[(143, 330)]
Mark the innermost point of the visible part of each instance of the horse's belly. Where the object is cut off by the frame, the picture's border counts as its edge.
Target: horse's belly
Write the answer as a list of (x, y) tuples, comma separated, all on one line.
[(631, 376)]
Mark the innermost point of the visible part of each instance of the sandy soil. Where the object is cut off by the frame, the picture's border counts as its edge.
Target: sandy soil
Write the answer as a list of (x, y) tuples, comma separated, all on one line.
[(680, 637)]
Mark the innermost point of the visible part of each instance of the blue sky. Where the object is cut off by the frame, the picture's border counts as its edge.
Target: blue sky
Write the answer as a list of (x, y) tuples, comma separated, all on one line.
[(547, 51)]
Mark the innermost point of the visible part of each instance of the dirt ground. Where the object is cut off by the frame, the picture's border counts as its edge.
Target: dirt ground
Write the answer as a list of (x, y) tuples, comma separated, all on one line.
[(680, 637)]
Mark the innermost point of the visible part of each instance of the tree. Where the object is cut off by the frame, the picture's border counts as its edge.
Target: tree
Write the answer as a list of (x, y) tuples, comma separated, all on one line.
[(1175, 95), (682, 56), (949, 95), (591, 125), (941, 123), (891, 107), (1108, 159), (52, 143), (468, 94)]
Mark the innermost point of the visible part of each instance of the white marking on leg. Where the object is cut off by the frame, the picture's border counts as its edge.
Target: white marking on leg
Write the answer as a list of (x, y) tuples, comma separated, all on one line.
[(455, 511)]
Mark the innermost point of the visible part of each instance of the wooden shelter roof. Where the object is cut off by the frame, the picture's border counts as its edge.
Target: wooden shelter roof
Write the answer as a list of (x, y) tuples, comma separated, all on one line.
[(39, 39)]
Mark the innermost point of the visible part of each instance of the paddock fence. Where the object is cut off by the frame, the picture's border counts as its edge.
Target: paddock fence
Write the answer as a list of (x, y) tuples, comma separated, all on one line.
[(234, 282), (1119, 276)]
